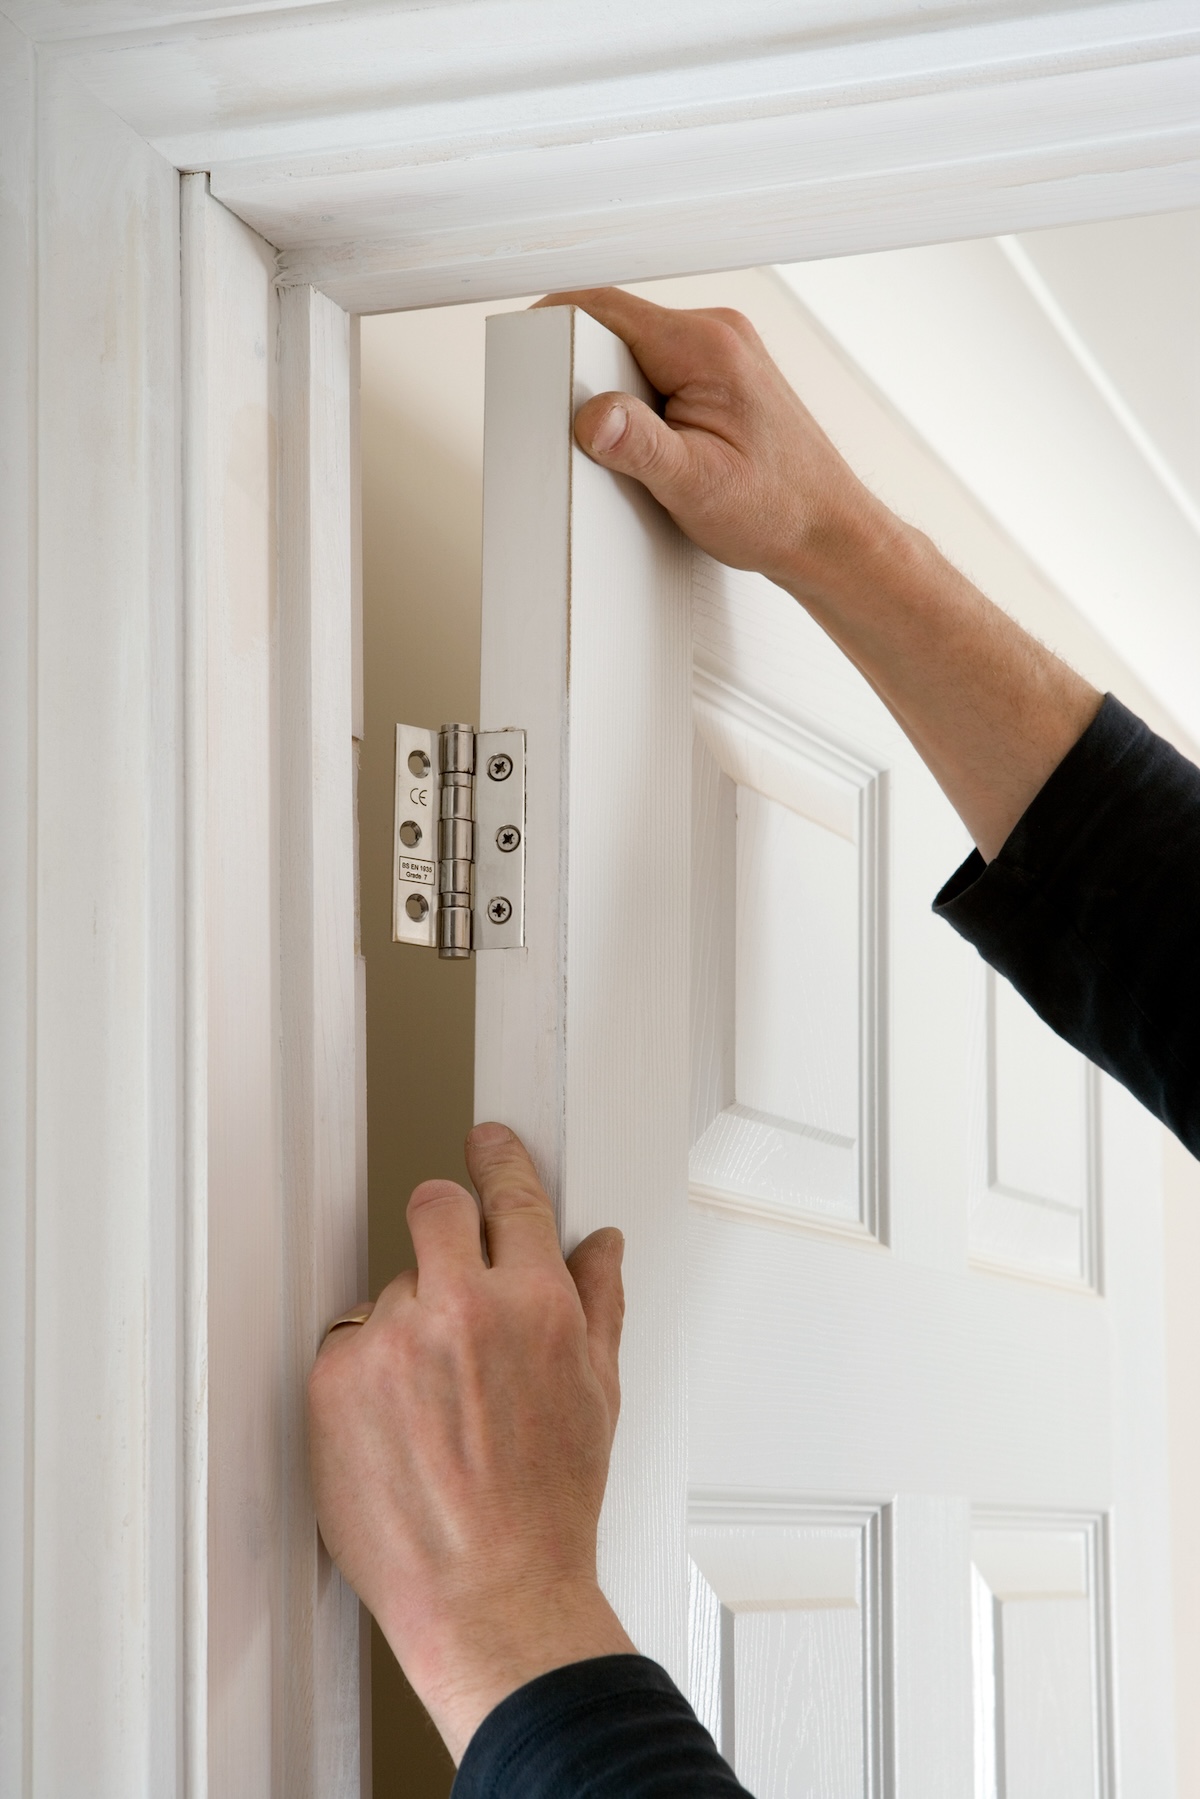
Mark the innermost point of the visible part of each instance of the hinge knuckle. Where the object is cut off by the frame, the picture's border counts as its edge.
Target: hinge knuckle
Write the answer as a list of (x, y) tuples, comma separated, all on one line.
[(456, 832)]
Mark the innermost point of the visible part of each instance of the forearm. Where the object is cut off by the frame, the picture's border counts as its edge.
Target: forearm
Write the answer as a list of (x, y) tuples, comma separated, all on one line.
[(991, 711)]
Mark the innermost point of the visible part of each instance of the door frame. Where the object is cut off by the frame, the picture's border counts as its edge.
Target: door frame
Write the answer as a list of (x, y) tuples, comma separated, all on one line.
[(106, 1051)]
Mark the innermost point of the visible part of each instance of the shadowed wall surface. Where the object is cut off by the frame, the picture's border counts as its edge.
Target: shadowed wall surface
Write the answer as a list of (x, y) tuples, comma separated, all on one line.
[(422, 441)]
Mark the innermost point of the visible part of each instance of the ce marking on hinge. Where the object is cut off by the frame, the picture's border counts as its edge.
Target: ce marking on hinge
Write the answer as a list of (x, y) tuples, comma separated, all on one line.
[(459, 853)]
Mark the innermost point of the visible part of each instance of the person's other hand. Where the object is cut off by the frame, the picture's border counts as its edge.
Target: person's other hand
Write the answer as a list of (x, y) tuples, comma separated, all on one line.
[(460, 1442), (736, 459)]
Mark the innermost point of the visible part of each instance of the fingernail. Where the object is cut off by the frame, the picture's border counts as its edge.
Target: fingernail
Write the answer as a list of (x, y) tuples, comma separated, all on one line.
[(483, 1134), (610, 430)]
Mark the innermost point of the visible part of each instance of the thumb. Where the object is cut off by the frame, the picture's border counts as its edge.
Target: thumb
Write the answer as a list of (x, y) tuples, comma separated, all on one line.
[(595, 1267), (623, 434)]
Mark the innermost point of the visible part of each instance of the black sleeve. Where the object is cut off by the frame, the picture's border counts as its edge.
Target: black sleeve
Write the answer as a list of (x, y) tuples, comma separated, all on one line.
[(1091, 910), (615, 1727)]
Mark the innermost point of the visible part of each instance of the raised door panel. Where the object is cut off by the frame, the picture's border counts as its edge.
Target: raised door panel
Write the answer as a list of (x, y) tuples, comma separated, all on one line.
[(1035, 1192), (1042, 1692), (787, 1045), (797, 999), (787, 1644)]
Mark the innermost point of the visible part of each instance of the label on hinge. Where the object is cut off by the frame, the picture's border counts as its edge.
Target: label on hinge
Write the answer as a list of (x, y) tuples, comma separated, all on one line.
[(499, 921), (414, 837)]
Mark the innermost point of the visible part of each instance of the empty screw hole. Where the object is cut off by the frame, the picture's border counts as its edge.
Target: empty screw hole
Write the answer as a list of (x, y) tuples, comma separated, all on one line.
[(410, 833), (418, 762), (417, 907)]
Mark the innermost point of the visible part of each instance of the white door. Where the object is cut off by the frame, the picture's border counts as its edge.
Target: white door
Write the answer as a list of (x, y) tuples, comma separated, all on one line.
[(920, 1467), (927, 1499)]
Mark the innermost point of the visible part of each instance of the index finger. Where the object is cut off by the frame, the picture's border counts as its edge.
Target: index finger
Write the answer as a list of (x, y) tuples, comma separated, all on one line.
[(443, 1221), (518, 1219), (669, 344)]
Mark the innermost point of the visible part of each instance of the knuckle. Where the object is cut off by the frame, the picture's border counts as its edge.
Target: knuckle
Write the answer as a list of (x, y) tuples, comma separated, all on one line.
[(519, 1192), (649, 449), (729, 334), (556, 1305), (734, 321), (463, 1308)]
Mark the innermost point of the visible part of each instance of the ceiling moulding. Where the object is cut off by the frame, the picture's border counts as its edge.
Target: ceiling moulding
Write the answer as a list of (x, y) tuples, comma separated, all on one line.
[(410, 155)]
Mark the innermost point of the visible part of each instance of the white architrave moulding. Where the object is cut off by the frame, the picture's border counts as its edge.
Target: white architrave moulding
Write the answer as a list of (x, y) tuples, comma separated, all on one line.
[(18, 623), (433, 154), (325, 1228), (276, 1239), (90, 834)]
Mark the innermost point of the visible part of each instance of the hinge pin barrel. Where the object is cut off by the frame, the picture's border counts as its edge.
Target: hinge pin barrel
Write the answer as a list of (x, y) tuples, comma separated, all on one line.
[(456, 839)]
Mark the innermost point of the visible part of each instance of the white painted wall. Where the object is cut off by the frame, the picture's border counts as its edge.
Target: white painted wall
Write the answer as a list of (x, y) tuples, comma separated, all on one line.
[(972, 349)]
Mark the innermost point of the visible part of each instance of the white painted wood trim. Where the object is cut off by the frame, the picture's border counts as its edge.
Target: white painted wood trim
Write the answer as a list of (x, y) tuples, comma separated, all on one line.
[(581, 1037), (325, 1235), (234, 1271), (194, 513), (433, 154), (103, 960), (1139, 1536), (18, 622), (277, 1239)]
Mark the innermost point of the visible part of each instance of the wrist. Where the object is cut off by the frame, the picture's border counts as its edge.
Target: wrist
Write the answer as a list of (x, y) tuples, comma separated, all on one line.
[(864, 545), (463, 1664)]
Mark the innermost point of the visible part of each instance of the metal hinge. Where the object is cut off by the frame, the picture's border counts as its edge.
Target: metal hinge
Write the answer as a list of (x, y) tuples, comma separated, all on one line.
[(459, 853)]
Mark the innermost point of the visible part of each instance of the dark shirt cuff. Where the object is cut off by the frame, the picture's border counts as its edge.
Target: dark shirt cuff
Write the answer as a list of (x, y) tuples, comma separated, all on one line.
[(615, 1727), (1091, 907)]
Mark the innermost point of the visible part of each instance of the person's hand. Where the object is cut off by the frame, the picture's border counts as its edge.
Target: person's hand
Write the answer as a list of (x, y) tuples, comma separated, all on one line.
[(460, 1441), (736, 458), (744, 469)]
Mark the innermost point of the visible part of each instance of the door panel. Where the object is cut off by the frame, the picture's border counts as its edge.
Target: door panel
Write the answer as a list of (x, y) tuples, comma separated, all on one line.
[(786, 1043), (787, 1642), (1034, 1200), (1041, 1624), (956, 1358)]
